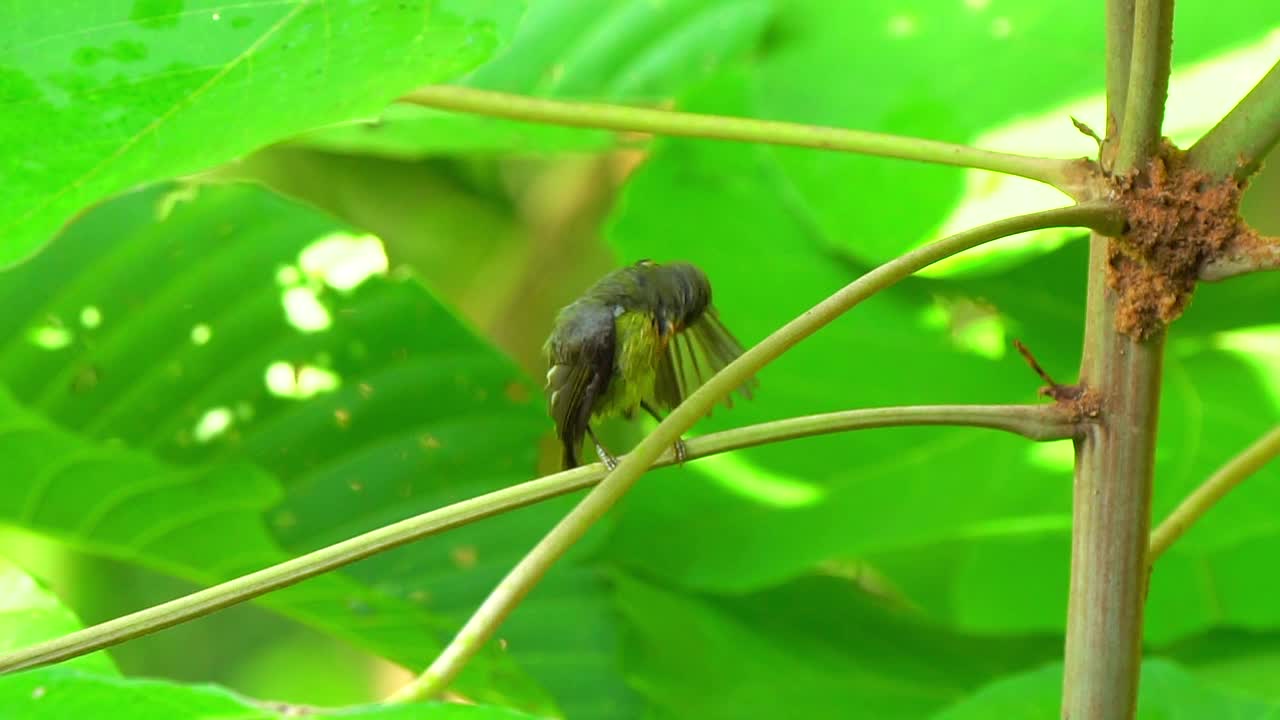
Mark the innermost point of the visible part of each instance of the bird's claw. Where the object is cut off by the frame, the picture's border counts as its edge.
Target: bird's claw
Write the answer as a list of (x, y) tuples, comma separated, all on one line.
[(609, 461), (682, 452)]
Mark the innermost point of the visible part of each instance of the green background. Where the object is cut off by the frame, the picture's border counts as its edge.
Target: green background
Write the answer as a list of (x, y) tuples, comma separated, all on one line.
[(191, 388)]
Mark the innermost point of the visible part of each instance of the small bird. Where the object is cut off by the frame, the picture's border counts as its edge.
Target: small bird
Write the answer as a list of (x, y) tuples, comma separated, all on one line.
[(644, 336)]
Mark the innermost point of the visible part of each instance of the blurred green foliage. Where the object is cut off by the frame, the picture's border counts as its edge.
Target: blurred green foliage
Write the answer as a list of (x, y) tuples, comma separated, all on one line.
[(320, 336)]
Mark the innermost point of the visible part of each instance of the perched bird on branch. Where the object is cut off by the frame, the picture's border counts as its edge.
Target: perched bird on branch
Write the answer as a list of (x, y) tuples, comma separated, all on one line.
[(644, 337)]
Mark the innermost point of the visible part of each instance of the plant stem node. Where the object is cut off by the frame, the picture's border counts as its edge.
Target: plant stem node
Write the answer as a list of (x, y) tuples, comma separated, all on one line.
[(1181, 220)]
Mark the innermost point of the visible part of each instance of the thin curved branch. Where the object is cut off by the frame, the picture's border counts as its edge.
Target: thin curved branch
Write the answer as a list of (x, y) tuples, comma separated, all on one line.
[(1060, 173), (1236, 145), (1037, 422), (503, 599), (1199, 502)]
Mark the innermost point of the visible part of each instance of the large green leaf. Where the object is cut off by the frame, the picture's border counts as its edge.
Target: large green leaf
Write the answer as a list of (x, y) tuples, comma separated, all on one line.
[(1168, 693), (615, 50), (225, 396), (816, 648), (1243, 661), (90, 686), (949, 515), (101, 96)]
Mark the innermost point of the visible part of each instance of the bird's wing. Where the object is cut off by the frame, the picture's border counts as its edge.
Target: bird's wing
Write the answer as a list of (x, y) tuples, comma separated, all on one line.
[(693, 355), (581, 368)]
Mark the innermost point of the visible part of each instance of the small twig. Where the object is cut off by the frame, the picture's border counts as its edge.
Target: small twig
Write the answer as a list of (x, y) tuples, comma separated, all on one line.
[(1199, 502), (1052, 389), (1035, 366), (1087, 131)]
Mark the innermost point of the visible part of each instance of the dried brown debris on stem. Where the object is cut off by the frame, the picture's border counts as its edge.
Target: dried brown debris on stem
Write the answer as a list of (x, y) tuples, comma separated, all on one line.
[(1077, 402), (1180, 221)]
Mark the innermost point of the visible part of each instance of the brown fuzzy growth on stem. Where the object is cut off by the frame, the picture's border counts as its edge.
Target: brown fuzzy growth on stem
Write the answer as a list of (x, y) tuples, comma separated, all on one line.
[(1180, 219)]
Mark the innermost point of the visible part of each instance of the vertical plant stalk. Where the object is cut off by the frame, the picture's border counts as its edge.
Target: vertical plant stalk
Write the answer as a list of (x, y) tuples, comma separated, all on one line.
[(1111, 512), (1111, 507), (1119, 52), (1148, 85)]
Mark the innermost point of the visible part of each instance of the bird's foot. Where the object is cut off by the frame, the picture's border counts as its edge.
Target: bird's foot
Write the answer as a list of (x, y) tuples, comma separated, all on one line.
[(682, 452), (609, 460)]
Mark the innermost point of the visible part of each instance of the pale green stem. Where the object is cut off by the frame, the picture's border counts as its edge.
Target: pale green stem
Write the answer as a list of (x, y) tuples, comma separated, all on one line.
[(1119, 53), (1236, 145), (1062, 174), (485, 621), (1195, 505), (1148, 82), (1037, 422)]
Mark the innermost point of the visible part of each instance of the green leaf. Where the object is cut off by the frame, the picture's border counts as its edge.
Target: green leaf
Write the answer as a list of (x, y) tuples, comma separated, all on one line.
[(227, 393), (31, 614), (814, 648), (1239, 660), (57, 693), (608, 50), (1167, 693), (103, 96)]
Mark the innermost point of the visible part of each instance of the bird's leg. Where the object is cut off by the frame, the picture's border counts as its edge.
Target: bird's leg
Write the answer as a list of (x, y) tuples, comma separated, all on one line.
[(605, 456), (682, 452)]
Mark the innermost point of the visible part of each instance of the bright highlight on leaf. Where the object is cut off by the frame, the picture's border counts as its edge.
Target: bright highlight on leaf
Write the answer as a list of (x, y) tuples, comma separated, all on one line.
[(300, 382), (90, 317), (1258, 348), (305, 311), (973, 326), (902, 26), (201, 334), (338, 261), (1053, 456), (343, 261), (288, 276), (213, 423), (50, 337), (751, 481)]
